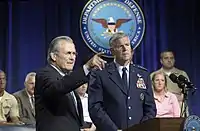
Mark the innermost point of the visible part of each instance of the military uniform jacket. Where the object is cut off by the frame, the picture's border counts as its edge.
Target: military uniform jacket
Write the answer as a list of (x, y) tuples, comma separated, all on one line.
[(112, 106)]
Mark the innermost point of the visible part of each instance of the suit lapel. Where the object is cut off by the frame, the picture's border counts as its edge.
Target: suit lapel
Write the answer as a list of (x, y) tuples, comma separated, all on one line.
[(80, 108), (71, 99), (28, 102), (115, 77), (72, 106)]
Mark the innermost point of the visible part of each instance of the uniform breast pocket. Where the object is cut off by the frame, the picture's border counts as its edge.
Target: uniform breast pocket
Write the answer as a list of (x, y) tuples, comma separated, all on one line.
[(6, 108), (141, 95)]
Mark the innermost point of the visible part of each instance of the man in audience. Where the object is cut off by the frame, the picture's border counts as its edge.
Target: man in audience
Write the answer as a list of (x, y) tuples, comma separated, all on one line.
[(8, 104), (88, 125), (168, 61), (26, 100)]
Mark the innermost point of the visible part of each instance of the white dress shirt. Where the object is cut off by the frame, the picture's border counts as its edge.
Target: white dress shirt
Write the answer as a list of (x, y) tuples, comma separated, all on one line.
[(119, 68), (84, 101), (30, 100)]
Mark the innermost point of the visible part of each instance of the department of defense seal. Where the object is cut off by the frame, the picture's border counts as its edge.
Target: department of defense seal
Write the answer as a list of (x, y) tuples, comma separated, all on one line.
[(192, 123), (100, 19)]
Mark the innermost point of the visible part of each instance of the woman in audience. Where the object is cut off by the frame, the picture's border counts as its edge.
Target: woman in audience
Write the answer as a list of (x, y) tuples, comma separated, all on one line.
[(166, 103)]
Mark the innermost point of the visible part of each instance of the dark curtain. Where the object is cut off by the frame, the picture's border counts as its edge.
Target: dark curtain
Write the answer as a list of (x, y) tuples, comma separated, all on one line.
[(28, 26)]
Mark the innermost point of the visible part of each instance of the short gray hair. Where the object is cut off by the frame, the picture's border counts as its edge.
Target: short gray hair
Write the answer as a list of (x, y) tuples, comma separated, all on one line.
[(31, 74), (115, 37), (53, 46)]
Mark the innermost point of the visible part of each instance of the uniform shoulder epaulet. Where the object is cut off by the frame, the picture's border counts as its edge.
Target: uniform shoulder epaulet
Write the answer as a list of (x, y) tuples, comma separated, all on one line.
[(140, 67)]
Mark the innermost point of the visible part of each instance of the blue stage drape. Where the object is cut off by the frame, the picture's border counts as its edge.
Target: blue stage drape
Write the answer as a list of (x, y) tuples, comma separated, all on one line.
[(27, 27)]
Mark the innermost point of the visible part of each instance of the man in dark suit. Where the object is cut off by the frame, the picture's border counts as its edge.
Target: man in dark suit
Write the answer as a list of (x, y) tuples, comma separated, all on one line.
[(58, 107), (26, 100), (120, 95)]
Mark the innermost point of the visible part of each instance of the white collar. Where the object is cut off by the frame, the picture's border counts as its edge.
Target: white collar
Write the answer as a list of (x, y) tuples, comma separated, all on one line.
[(85, 96), (119, 67), (29, 94), (59, 71)]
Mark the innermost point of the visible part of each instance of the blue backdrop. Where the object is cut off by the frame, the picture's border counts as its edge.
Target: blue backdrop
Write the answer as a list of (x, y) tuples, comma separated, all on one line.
[(27, 27)]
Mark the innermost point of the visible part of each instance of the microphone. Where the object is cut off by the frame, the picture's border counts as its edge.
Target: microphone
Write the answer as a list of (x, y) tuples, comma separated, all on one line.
[(175, 79), (181, 80), (185, 80)]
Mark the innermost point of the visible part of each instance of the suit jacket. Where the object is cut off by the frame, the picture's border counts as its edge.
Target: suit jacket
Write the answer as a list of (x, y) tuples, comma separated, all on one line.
[(55, 106), (26, 112), (112, 106)]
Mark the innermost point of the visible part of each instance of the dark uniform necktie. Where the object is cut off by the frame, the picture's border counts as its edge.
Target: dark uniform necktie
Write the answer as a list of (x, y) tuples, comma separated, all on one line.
[(124, 77)]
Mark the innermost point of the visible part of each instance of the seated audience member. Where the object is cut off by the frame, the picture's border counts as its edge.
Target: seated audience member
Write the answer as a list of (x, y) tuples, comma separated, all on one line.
[(26, 100), (166, 102), (88, 125), (9, 112)]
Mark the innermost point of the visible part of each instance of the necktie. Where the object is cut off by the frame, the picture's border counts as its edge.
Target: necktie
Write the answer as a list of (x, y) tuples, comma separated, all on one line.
[(124, 77), (67, 72), (33, 102), (75, 101)]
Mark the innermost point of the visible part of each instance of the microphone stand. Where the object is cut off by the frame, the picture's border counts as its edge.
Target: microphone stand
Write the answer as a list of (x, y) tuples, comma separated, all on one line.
[(184, 105), (186, 88)]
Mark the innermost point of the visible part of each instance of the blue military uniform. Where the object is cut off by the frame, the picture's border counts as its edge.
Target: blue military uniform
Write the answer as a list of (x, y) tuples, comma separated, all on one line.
[(113, 106)]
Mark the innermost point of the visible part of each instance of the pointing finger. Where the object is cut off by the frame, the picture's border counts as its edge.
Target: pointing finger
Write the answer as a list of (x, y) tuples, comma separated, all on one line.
[(100, 53)]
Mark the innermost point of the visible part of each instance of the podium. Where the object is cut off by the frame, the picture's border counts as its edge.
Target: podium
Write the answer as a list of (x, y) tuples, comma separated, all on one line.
[(159, 124)]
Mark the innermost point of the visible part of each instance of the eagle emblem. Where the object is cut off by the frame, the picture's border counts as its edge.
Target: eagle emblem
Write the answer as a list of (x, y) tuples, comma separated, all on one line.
[(100, 19), (111, 26)]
